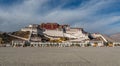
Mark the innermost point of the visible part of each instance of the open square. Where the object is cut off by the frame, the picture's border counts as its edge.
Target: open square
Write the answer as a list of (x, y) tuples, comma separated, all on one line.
[(65, 56)]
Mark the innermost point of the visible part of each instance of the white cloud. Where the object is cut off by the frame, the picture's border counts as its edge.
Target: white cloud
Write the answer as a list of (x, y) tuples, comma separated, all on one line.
[(30, 12)]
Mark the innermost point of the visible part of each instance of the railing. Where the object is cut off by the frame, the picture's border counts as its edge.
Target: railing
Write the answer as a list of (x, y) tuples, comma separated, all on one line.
[(48, 44)]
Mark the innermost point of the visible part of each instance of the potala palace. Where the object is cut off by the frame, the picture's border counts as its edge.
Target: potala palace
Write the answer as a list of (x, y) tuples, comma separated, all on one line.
[(54, 34)]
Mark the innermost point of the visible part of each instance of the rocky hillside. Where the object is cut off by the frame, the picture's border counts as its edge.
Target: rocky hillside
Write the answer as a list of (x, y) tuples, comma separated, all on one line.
[(116, 37), (21, 34), (6, 38)]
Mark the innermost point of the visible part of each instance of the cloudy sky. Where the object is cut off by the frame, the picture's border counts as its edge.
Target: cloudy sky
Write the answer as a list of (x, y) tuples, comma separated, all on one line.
[(101, 16)]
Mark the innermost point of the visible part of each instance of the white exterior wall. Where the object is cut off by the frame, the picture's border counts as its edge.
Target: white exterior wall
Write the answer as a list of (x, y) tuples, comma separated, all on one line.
[(99, 43), (54, 32), (95, 35), (33, 30), (70, 34), (29, 29)]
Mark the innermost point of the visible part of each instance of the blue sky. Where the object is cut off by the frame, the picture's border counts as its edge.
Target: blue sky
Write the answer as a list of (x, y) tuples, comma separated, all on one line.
[(101, 16)]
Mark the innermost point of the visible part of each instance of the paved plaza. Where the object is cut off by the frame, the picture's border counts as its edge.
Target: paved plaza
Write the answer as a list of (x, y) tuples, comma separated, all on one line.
[(65, 56)]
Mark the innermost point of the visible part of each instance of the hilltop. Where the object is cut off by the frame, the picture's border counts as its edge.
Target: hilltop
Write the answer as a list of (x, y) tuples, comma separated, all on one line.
[(116, 36)]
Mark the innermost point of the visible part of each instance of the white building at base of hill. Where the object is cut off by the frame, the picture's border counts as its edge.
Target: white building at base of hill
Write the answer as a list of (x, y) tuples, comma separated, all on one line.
[(73, 33), (33, 28)]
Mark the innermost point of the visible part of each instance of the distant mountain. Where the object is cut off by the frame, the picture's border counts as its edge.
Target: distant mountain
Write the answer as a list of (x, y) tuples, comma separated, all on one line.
[(116, 37), (108, 38)]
